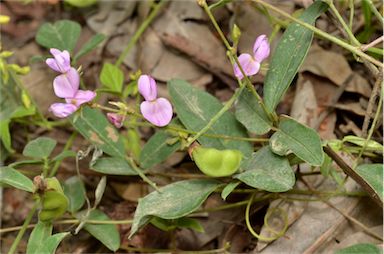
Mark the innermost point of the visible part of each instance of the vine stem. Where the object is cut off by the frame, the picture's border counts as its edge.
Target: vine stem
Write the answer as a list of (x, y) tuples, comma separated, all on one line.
[(23, 229), (140, 31), (323, 34)]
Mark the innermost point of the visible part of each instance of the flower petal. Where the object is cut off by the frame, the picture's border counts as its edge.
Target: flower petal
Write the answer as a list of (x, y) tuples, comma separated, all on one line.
[(249, 65), (66, 85), (62, 60), (81, 97), (115, 119), (51, 62), (147, 87), (158, 112), (261, 48), (62, 110)]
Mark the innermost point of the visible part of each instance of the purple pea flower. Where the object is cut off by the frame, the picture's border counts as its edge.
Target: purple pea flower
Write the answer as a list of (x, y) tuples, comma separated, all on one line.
[(116, 119), (251, 64), (60, 62), (158, 111), (66, 85)]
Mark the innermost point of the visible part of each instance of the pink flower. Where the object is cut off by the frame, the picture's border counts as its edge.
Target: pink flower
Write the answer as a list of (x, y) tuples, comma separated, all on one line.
[(157, 111), (116, 119), (66, 85), (251, 64), (60, 62)]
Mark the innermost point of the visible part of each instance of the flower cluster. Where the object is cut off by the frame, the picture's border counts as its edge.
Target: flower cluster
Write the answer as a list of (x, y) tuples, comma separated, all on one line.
[(66, 85), (251, 64), (158, 111)]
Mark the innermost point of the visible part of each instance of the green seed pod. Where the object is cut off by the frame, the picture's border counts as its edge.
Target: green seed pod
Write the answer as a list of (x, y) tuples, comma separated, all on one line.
[(53, 200), (217, 163), (54, 184)]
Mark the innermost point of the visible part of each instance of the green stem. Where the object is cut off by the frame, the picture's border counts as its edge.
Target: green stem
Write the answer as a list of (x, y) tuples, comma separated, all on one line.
[(141, 174), (351, 13), (23, 228), (375, 11), (67, 146), (139, 32), (322, 34), (351, 36)]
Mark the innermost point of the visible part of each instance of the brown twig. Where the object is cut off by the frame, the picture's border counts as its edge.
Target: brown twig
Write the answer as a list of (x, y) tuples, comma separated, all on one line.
[(350, 172)]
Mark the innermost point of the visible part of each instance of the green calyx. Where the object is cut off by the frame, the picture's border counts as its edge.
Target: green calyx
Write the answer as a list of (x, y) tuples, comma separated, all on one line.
[(217, 163)]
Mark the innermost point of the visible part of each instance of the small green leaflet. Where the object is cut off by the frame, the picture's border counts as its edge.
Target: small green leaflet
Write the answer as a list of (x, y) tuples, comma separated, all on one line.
[(289, 55), (90, 45), (112, 166), (303, 141), (75, 191), (175, 200), (16, 179), (267, 171), (39, 148), (112, 78), (373, 176), (42, 242), (361, 248)]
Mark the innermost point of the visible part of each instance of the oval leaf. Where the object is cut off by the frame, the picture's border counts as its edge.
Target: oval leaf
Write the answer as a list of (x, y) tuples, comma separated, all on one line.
[(361, 248), (105, 233), (289, 55), (16, 179), (94, 126), (372, 174), (90, 45), (174, 201), (39, 234), (61, 35), (75, 191), (251, 115), (112, 77), (39, 148), (195, 108), (303, 141), (157, 149), (112, 166), (267, 171)]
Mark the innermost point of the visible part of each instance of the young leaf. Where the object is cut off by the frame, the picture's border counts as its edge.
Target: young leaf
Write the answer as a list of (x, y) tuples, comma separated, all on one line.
[(251, 115), (112, 166), (373, 176), (39, 234), (16, 179), (157, 149), (361, 248), (174, 201), (75, 191), (52, 242), (94, 126), (90, 45), (289, 55), (112, 77), (105, 233), (39, 148), (195, 108), (228, 189), (303, 141), (62, 35), (267, 171)]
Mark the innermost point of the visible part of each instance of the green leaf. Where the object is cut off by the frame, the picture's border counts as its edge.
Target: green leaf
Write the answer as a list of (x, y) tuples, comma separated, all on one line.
[(251, 115), (373, 176), (195, 108), (157, 149), (39, 235), (105, 233), (39, 148), (369, 145), (75, 191), (90, 45), (52, 242), (228, 189), (267, 171), (5, 135), (361, 248), (174, 201), (16, 179), (94, 126), (289, 55), (62, 35), (112, 166), (112, 77), (303, 141), (63, 155)]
